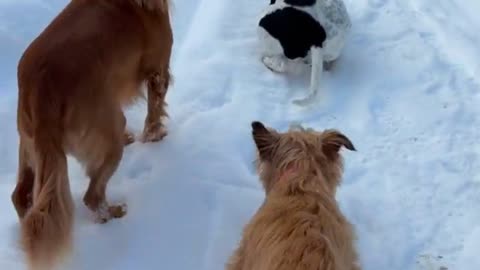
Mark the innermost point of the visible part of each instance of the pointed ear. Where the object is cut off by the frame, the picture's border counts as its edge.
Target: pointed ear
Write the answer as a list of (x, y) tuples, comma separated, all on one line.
[(333, 140), (264, 140)]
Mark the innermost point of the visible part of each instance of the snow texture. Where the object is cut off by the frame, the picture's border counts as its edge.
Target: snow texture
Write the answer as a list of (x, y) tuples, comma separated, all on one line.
[(405, 91)]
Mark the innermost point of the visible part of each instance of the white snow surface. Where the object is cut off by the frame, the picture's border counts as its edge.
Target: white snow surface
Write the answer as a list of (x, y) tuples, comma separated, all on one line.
[(405, 91)]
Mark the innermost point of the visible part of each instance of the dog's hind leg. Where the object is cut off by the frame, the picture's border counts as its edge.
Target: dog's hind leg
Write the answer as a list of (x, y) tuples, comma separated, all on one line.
[(101, 170), (154, 129), (316, 75), (22, 195)]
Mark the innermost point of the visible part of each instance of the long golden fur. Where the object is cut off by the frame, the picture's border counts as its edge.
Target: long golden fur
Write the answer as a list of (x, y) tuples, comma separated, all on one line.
[(299, 226), (74, 80)]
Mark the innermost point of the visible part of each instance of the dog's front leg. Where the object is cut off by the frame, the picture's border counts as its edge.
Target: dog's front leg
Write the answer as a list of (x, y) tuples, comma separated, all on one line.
[(154, 129)]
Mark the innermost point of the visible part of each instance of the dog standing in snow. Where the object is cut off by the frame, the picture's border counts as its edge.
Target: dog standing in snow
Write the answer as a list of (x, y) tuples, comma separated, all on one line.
[(74, 80), (309, 31), (299, 225)]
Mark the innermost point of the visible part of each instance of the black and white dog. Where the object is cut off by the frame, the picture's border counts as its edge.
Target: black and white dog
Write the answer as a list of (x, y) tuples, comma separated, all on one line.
[(308, 31)]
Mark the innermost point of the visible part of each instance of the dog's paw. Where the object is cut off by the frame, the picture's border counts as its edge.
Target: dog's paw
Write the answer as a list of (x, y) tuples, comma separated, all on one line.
[(118, 211), (154, 133), (129, 138), (275, 63), (105, 212), (102, 215)]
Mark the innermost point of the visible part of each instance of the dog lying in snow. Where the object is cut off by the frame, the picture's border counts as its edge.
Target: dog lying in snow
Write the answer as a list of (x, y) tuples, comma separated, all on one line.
[(299, 225), (309, 31), (74, 79)]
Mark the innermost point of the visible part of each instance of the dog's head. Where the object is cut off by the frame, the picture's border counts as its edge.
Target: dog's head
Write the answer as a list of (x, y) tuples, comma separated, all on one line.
[(308, 152)]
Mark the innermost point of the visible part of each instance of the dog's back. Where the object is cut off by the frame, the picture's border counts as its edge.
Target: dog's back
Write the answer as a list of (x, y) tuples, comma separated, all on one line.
[(94, 53), (301, 232), (91, 48), (296, 30)]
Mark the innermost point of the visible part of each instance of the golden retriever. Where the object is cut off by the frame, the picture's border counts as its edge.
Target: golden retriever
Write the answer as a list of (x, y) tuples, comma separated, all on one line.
[(74, 80), (299, 225)]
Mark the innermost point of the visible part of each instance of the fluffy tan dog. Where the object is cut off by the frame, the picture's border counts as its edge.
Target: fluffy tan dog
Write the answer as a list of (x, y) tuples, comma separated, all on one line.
[(74, 79), (299, 226)]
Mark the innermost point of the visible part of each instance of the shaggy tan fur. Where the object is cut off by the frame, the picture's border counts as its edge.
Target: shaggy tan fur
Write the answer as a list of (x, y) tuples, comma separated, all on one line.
[(299, 226), (74, 79)]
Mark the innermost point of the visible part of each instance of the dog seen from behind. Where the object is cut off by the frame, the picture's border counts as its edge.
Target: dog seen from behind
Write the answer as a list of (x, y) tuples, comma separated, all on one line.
[(299, 225), (292, 32), (74, 80)]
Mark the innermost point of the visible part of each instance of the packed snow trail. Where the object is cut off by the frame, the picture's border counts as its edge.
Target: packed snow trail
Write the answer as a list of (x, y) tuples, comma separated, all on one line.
[(405, 91)]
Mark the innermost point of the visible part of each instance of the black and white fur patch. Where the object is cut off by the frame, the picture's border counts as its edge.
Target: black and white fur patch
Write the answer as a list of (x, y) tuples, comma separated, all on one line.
[(303, 31), (296, 30)]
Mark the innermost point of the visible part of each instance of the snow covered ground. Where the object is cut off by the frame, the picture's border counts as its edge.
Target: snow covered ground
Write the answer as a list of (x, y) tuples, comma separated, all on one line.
[(406, 92)]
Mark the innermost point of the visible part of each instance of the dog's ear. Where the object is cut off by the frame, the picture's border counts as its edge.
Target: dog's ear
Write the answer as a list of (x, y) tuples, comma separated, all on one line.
[(264, 140), (333, 140)]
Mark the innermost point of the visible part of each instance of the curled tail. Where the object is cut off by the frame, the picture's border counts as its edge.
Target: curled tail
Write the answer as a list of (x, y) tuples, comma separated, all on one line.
[(154, 5), (46, 229)]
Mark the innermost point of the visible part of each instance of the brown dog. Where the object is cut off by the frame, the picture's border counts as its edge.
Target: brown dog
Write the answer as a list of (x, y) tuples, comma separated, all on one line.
[(74, 79), (299, 226)]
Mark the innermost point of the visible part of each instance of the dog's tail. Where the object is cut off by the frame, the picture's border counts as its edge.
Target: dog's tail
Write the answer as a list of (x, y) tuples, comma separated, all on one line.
[(46, 230), (154, 5), (316, 75)]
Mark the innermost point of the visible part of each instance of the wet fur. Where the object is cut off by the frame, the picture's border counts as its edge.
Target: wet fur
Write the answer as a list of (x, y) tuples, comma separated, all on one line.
[(74, 80), (299, 225)]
